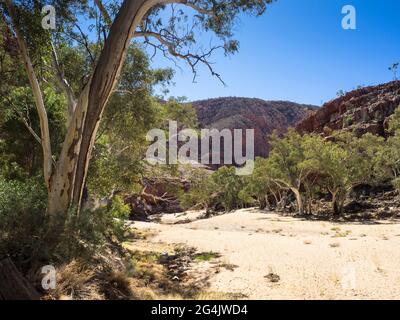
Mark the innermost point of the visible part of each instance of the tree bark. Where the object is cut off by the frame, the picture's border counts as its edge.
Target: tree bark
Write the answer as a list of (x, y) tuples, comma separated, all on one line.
[(337, 203), (69, 179), (299, 200), (13, 286)]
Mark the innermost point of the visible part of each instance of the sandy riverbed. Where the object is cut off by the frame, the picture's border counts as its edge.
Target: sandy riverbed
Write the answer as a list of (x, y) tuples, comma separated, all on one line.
[(313, 259)]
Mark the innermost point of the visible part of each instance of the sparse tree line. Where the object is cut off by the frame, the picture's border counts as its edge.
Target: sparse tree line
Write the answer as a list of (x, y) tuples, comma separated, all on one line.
[(304, 168)]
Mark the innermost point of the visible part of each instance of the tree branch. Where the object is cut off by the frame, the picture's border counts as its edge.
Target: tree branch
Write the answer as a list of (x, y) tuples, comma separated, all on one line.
[(192, 59), (104, 12), (63, 83)]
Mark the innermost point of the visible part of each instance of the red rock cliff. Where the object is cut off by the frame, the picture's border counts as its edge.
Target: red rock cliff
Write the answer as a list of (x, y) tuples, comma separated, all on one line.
[(364, 110)]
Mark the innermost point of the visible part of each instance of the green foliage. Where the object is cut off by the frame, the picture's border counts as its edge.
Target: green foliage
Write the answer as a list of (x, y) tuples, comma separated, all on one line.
[(201, 189), (119, 209), (348, 121), (227, 186), (177, 110), (20, 152), (396, 184), (309, 165), (220, 189), (388, 159), (394, 124), (288, 164), (82, 235), (22, 219), (206, 256), (132, 111), (361, 163), (286, 159), (259, 187), (24, 226)]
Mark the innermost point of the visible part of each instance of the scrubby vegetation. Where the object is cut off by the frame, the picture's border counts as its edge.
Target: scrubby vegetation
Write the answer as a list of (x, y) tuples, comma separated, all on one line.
[(75, 109), (67, 163), (304, 169)]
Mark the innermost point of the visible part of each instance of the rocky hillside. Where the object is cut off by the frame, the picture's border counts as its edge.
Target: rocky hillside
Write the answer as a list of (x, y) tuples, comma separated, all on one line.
[(246, 113), (363, 110)]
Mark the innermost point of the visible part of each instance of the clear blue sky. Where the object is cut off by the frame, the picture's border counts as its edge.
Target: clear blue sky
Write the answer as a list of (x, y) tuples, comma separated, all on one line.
[(298, 51)]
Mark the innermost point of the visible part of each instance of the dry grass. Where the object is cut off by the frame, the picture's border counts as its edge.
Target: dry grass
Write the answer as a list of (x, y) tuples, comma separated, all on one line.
[(141, 234), (339, 233), (141, 271), (74, 281), (228, 266)]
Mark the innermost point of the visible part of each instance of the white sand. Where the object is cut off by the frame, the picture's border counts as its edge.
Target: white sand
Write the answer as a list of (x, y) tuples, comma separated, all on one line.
[(314, 260)]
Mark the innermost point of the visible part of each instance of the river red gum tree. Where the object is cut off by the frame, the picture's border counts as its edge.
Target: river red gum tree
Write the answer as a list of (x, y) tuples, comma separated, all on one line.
[(65, 178)]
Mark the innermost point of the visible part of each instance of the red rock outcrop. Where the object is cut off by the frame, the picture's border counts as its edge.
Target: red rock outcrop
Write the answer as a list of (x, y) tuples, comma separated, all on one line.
[(364, 110)]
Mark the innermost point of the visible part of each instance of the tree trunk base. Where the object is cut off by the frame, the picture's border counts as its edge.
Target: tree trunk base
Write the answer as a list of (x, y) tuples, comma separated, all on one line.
[(13, 285)]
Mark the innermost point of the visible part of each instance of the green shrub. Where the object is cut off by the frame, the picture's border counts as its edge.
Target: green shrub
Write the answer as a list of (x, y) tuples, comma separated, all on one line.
[(23, 221), (25, 234), (219, 190), (119, 209), (348, 121), (228, 186), (85, 234), (396, 184)]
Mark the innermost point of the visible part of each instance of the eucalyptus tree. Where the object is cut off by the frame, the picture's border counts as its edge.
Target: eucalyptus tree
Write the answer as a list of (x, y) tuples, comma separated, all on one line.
[(288, 166), (389, 155), (114, 26), (349, 162)]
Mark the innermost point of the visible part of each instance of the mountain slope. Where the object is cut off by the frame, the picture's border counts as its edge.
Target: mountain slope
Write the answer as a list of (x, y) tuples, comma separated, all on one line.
[(247, 113)]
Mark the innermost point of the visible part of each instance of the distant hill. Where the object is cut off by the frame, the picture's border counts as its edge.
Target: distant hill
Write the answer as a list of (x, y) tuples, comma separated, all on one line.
[(247, 113), (364, 110)]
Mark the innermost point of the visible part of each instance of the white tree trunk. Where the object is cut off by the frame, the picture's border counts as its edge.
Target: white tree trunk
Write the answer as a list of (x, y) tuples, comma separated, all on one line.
[(299, 200), (67, 180)]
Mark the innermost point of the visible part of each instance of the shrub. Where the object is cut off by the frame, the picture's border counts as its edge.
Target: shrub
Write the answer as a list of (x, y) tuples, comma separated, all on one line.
[(396, 184), (214, 191), (23, 220), (119, 209), (84, 234), (24, 227), (227, 187), (348, 121)]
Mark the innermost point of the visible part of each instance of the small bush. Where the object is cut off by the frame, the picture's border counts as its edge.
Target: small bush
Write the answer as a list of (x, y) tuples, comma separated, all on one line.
[(119, 209), (87, 232), (23, 221), (25, 234), (396, 184)]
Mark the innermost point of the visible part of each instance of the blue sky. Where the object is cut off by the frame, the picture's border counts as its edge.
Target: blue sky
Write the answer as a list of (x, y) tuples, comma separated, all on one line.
[(298, 51)]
